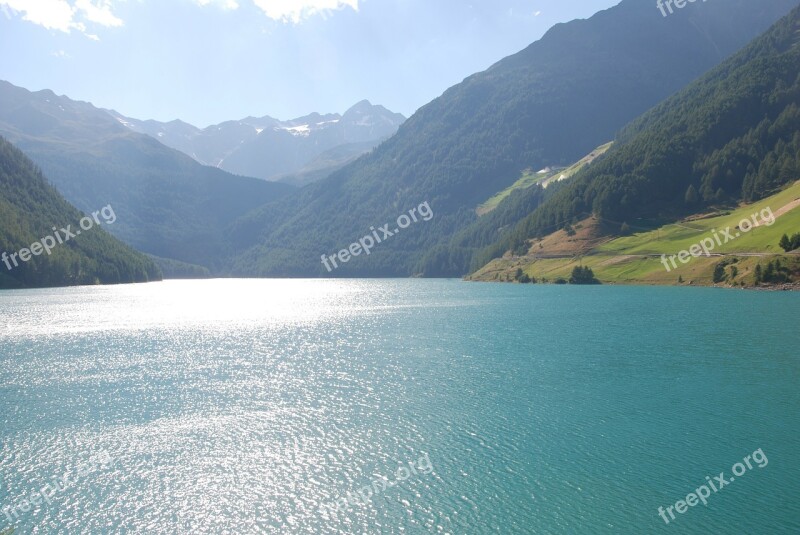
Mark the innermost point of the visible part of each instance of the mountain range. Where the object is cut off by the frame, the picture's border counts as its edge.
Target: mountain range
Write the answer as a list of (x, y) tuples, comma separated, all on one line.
[(549, 105), (298, 151), (168, 205)]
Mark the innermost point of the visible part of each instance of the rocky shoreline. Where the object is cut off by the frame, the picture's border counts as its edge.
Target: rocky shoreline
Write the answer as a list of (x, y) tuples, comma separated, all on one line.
[(784, 287)]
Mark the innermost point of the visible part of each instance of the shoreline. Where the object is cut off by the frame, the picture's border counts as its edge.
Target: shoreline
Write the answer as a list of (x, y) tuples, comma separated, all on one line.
[(778, 287)]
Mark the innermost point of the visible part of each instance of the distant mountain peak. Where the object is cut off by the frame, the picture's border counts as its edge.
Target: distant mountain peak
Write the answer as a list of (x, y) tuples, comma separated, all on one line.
[(269, 148), (361, 105)]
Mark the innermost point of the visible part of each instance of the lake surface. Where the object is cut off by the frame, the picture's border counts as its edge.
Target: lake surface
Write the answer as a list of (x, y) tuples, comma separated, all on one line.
[(268, 406)]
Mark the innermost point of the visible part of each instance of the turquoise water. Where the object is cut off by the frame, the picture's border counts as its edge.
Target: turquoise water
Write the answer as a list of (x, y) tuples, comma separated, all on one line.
[(257, 406)]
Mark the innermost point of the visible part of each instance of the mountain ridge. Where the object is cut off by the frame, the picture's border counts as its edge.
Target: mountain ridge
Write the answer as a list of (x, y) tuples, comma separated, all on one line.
[(29, 207), (731, 136), (245, 146), (547, 105), (170, 206)]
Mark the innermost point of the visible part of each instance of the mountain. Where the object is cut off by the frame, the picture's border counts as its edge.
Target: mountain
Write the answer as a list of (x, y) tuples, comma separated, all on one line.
[(35, 254), (548, 105), (168, 205), (311, 147), (327, 163), (732, 136), (468, 246)]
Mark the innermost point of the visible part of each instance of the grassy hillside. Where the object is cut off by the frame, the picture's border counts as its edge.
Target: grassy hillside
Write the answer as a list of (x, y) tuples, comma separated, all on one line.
[(638, 258), (512, 205), (29, 209), (682, 235), (530, 178)]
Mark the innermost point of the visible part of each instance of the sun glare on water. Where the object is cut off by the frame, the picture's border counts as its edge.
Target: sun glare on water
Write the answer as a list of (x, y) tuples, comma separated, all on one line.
[(214, 304)]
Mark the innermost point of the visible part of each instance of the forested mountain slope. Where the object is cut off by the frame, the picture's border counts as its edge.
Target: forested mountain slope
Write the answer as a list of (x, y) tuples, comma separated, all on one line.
[(29, 209), (548, 105), (733, 135)]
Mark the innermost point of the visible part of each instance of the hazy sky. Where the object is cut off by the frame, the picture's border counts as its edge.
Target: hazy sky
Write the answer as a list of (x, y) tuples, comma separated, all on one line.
[(205, 61)]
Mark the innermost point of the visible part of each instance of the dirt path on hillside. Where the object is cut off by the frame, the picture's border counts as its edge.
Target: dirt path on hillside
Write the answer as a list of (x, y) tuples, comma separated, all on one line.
[(784, 209), (787, 208)]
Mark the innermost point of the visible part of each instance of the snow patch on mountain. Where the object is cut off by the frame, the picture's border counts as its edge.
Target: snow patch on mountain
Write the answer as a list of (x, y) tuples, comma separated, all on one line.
[(301, 130)]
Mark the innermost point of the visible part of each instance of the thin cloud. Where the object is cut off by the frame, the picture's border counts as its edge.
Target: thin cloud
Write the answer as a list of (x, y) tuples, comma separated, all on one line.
[(50, 14), (98, 12), (68, 15), (61, 15), (295, 11), (229, 5)]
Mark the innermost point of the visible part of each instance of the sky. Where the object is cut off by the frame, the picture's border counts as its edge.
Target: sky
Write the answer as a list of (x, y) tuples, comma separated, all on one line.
[(208, 61)]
